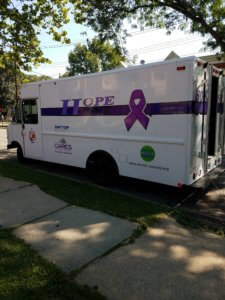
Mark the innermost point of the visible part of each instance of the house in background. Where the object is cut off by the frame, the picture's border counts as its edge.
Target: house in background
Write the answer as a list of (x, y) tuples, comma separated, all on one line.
[(214, 60)]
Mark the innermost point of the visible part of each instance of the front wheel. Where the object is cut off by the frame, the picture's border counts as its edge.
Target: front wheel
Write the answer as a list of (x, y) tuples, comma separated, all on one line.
[(20, 155), (102, 170)]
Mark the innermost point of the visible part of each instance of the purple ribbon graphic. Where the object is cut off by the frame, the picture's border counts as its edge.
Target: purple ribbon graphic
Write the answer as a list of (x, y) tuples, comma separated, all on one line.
[(137, 110)]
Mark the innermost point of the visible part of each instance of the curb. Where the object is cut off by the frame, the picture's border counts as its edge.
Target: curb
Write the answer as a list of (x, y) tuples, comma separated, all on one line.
[(213, 222)]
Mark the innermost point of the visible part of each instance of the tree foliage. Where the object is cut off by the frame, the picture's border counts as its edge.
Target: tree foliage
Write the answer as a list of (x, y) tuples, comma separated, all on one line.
[(26, 78), (21, 22), (7, 87), (8, 81), (203, 16), (95, 56)]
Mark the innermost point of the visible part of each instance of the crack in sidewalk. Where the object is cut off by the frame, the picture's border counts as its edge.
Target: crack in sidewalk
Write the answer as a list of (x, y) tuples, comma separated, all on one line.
[(18, 188)]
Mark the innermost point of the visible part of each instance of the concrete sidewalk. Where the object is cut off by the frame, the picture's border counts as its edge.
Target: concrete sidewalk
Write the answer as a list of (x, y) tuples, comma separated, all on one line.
[(74, 236), (68, 236), (167, 262), (25, 204), (3, 139)]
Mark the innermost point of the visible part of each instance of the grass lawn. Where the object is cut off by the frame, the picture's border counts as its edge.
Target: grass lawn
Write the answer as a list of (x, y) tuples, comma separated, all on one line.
[(23, 273), (84, 195)]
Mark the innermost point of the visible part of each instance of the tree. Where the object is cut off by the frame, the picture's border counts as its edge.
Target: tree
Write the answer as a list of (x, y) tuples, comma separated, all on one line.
[(21, 22), (203, 16), (9, 80), (94, 57), (7, 88), (26, 78)]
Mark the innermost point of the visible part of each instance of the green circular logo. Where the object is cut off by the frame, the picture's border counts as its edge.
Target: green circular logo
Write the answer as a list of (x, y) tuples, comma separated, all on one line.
[(147, 153)]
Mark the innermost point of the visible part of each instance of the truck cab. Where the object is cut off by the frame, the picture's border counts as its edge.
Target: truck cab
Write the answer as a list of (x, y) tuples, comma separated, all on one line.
[(24, 133)]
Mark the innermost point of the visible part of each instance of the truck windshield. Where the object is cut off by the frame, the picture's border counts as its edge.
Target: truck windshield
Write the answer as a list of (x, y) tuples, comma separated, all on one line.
[(30, 111)]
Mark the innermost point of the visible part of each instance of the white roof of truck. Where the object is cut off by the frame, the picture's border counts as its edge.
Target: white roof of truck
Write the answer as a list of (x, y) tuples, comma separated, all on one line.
[(165, 62)]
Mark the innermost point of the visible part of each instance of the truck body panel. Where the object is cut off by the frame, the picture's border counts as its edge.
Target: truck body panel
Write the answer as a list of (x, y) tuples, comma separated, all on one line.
[(153, 120)]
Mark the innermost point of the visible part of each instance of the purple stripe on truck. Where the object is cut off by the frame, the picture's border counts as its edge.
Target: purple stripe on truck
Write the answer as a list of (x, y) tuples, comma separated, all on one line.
[(168, 108)]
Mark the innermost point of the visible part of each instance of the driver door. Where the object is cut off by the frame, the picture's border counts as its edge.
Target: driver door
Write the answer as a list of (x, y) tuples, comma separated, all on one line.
[(31, 129)]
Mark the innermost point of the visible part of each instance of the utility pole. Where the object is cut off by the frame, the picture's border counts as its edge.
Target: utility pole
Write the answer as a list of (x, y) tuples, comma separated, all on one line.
[(15, 67), (16, 83)]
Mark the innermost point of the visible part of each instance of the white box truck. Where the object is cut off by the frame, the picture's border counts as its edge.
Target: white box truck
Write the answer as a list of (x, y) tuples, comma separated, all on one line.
[(161, 122)]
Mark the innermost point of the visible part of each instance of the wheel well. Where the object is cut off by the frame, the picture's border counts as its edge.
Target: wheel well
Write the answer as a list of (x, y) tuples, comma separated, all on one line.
[(102, 154), (15, 144)]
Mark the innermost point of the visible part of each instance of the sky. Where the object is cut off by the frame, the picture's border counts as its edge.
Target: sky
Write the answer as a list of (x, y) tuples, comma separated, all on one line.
[(150, 45)]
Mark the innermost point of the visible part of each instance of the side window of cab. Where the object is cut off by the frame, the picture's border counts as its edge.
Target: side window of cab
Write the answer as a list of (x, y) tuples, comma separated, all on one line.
[(30, 111)]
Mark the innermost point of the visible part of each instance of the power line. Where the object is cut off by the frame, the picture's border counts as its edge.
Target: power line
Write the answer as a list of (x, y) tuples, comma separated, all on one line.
[(37, 73), (164, 45), (150, 48), (146, 49), (73, 43), (53, 67), (183, 55), (150, 61), (168, 42), (142, 31), (57, 46), (56, 62)]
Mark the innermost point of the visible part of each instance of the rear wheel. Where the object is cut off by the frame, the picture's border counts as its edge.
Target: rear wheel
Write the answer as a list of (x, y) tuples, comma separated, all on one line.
[(20, 155), (102, 169)]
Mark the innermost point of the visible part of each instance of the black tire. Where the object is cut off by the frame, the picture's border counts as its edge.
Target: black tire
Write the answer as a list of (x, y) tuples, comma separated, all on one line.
[(20, 156), (103, 170)]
